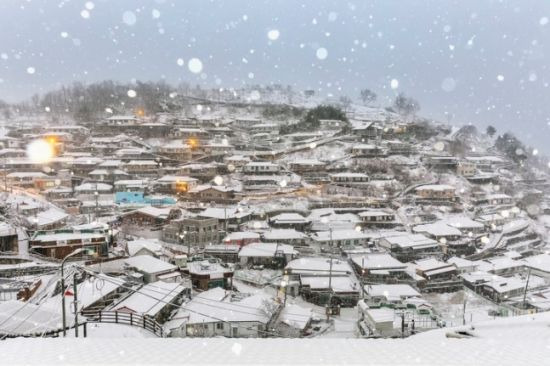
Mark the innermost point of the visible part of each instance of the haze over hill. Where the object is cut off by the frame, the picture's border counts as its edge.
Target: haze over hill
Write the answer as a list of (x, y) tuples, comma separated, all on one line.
[(465, 61)]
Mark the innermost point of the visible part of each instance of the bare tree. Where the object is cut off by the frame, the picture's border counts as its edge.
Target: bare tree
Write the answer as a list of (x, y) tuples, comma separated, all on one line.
[(368, 96), (406, 106)]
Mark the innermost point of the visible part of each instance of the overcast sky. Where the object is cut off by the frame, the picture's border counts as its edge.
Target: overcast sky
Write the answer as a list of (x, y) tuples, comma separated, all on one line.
[(466, 61)]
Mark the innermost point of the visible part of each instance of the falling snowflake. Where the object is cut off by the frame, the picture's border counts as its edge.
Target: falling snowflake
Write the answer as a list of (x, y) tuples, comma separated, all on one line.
[(129, 18), (236, 349), (273, 34), (155, 13), (64, 34), (180, 62), (543, 21), (31, 70), (132, 93), (394, 83), (255, 95), (218, 180), (321, 53), (195, 65), (89, 5), (448, 84), (85, 14), (500, 77)]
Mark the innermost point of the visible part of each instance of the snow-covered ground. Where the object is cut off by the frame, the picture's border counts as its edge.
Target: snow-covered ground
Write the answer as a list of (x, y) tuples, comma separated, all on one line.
[(505, 342), (451, 305)]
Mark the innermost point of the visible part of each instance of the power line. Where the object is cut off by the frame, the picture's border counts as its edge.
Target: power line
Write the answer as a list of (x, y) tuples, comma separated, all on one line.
[(178, 305)]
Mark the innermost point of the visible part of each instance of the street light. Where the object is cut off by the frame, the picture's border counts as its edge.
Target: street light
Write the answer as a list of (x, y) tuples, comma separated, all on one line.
[(284, 284), (76, 252)]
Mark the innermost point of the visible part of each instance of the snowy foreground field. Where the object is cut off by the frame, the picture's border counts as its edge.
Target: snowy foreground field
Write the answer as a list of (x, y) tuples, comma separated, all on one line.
[(523, 340)]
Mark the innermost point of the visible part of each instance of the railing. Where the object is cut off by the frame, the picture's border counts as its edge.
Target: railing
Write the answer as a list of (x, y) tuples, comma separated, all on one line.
[(119, 317)]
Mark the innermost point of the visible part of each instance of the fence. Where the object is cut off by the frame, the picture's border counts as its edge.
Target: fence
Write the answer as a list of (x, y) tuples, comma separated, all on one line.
[(119, 317)]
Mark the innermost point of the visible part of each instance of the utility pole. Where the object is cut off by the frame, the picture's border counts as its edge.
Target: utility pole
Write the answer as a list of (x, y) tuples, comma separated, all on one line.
[(464, 311), (525, 290), (63, 299), (329, 306), (363, 276), (75, 306)]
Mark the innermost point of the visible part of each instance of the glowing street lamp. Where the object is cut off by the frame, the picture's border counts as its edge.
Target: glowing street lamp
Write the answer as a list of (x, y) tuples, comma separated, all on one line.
[(40, 151), (193, 142)]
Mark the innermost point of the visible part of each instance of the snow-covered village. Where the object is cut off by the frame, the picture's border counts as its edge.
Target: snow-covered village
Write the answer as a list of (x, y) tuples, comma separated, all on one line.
[(249, 222)]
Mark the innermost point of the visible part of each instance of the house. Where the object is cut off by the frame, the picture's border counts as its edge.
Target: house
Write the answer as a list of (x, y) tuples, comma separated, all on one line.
[(175, 149), (261, 167), (213, 193), (436, 192), (236, 161), (406, 247), (49, 219), (366, 151), (290, 220), (451, 239), (59, 244), (397, 147), (465, 225), (463, 265), (208, 274), (385, 294), (175, 184), (539, 265), (150, 216), (294, 321), (466, 169), (142, 167), (319, 281), (156, 300), (153, 269), (241, 238), (92, 189), (300, 166), (377, 323), (347, 179), (366, 130), (287, 236), (122, 120), (130, 185), (9, 239), (440, 276), (334, 290), (215, 313), (339, 238), (501, 289), (144, 247), (441, 163), (229, 217), (380, 268), (197, 231), (203, 172), (378, 219), (267, 254), (227, 253), (24, 179), (439, 231)]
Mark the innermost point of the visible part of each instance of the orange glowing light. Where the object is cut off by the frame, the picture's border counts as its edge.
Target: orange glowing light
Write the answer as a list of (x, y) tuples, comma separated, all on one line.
[(193, 142), (140, 112), (181, 186)]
